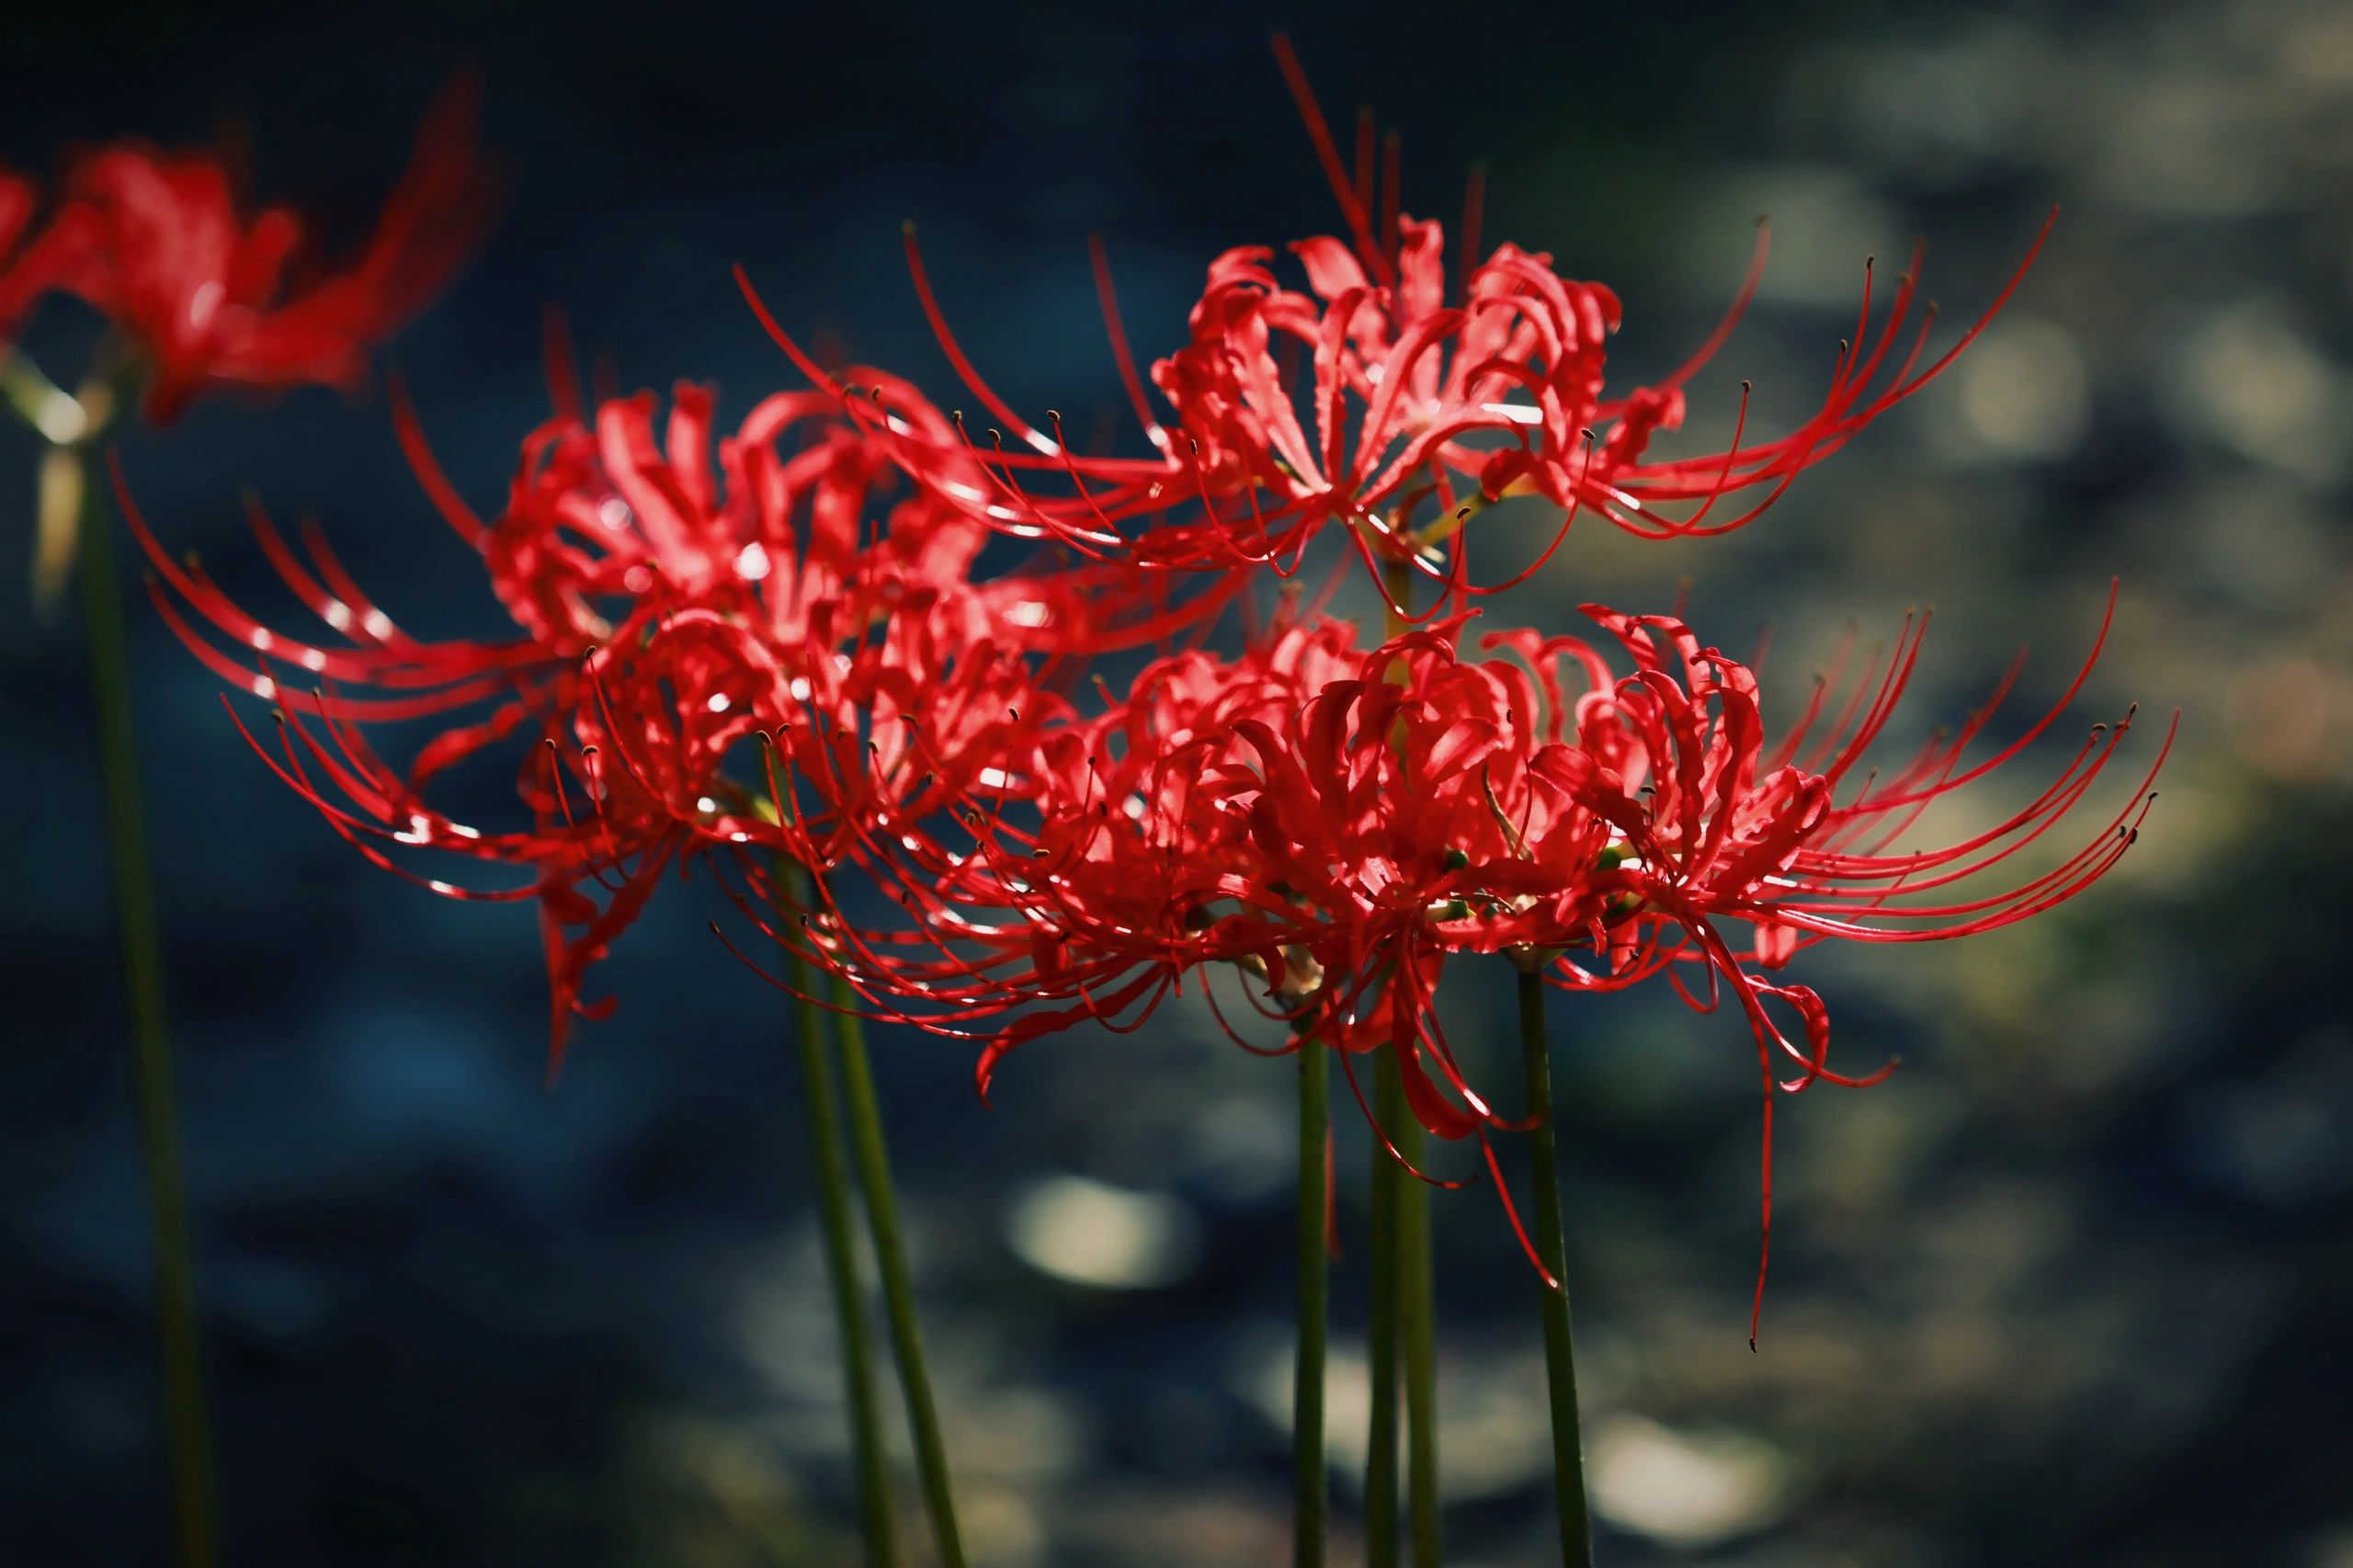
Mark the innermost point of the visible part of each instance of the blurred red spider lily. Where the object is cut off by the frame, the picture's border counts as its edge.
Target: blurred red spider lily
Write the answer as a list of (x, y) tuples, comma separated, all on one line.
[(205, 297), (32, 258), (666, 610), (1369, 397)]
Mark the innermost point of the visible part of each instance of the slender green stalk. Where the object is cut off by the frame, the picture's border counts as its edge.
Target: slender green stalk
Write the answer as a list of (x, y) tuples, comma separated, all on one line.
[(134, 893), (882, 1215), (1417, 1315), (1402, 1280), (1314, 1291), (1560, 1354), (1380, 1333), (841, 1253)]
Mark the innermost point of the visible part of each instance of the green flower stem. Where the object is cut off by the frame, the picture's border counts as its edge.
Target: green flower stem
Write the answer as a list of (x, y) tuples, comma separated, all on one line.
[(1314, 1267), (134, 891), (882, 1215), (1560, 1354), (841, 1251), (1418, 1317), (1381, 1349), (1404, 1301)]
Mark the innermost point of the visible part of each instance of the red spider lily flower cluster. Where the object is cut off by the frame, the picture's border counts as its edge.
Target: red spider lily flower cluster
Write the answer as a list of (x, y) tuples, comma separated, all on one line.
[(1378, 392), (787, 654), (206, 296), (1339, 822), (670, 603)]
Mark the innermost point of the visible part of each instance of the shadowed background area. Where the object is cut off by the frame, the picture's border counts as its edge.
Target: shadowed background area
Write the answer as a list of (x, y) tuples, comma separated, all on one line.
[(2071, 1288)]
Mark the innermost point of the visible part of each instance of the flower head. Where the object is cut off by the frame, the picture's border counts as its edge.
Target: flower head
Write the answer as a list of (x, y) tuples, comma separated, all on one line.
[(34, 258), (673, 597), (208, 296), (1392, 404), (1336, 825)]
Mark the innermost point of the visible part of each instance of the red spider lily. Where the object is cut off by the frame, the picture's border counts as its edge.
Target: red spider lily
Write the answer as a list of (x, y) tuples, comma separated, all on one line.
[(666, 609), (1369, 397), (32, 260), (1710, 820), (1297, 813), (211, 298), (1093, 844), (1339, 823)]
